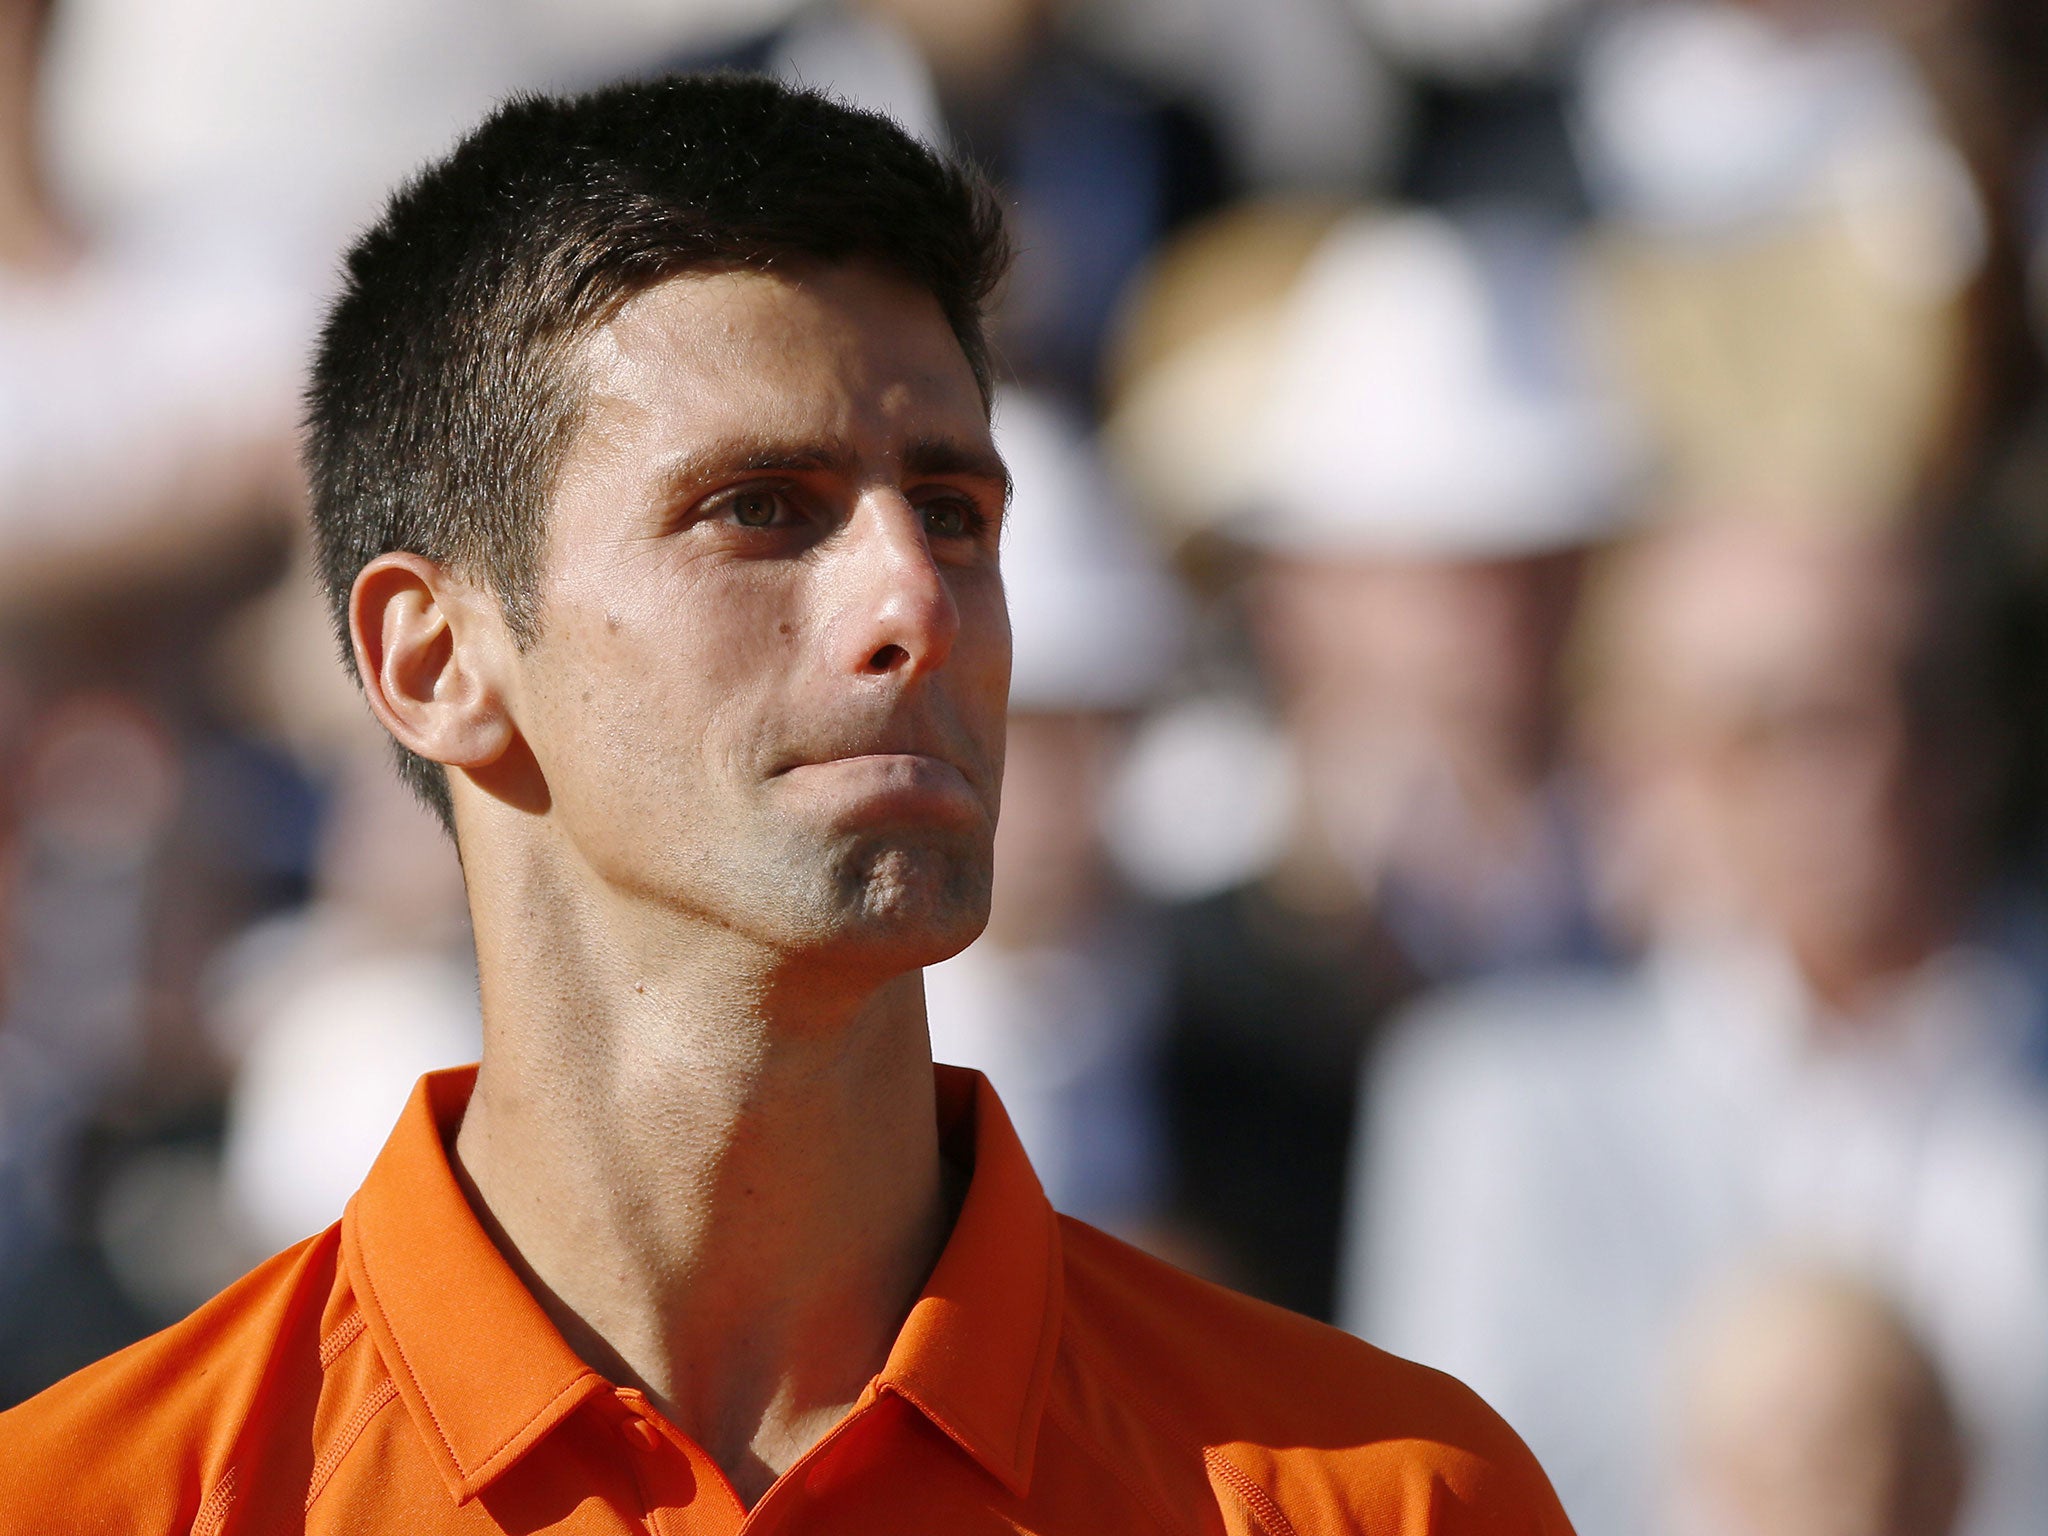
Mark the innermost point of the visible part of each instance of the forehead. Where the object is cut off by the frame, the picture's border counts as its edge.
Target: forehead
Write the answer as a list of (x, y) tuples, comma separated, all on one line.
[(810, 349)]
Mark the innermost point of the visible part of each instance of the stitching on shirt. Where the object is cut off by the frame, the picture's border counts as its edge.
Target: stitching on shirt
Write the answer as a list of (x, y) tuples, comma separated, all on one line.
[(346, 1332), (1145, 1496), (1137, 1405), (1258, 1503), (370, 1295), (1048, 1334), (469, 1474), (309, 1260), (213, 1513), (545, 1409), (381, 1397)]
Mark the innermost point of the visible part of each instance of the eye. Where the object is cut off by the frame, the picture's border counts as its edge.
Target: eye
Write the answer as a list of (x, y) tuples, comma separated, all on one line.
[(952, 517), (759, 507)]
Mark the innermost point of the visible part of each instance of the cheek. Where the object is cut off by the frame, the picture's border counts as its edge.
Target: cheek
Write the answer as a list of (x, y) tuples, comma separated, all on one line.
[(982, 652), (647, 701)]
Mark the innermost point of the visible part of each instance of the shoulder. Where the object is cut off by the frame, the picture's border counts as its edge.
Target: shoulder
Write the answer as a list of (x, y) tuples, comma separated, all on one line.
[(139, 1441), (1287, 1412)]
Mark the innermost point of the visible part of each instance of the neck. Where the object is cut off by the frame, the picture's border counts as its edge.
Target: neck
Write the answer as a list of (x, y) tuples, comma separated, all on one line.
[(719, 1174)]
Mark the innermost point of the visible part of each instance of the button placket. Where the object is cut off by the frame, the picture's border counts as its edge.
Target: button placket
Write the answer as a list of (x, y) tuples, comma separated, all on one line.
[(641, 1435), (809, 1479), (680, 1489)]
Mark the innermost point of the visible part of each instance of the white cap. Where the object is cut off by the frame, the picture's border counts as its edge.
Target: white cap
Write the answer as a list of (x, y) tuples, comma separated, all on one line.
[(1431, 399), (1097, 621)]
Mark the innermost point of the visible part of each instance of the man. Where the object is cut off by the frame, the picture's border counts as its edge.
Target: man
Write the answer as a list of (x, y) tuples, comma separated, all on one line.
[(1436, 458), (1826, 1056), (654, 482)]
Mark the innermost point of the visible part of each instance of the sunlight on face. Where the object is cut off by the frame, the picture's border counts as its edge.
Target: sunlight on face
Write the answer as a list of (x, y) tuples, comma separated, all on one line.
[(770, 683)]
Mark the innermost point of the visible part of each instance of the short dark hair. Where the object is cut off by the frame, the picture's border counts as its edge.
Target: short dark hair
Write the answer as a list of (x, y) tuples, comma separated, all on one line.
[(441, 399)]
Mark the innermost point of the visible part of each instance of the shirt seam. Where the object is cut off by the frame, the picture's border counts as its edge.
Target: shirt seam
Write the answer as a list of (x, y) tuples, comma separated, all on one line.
[(380, 1397), (471, 1478), (485, 1466), (640, 1491), (346, 1332), (1137, 1405), (1258, 1503), (1147, 1499), (369, 1290), (213, 1514), (1038, 1392), (219, 1504)]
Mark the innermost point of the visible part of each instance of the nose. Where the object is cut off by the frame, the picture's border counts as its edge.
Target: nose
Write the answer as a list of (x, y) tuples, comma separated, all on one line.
[(898, 609)]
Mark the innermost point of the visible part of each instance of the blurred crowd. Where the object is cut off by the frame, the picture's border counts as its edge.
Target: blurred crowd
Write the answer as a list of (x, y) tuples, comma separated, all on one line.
[(1523, 832)]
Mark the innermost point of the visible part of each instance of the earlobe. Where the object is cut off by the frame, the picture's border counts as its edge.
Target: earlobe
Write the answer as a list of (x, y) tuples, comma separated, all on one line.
[(425, 649)]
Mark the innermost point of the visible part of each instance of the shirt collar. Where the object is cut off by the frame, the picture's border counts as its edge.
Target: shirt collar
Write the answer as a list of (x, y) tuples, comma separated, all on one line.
[(975, 1355), (485, 1375), (480, 1367)]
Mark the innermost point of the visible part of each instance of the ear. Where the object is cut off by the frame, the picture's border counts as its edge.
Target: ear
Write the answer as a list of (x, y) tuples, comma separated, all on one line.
[(428, 648)]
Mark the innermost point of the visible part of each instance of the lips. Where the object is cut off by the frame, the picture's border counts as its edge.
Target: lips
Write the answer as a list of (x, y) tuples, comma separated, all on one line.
[(906, 767), (879, 746), (899, 753), (885, 788), (865, 754)]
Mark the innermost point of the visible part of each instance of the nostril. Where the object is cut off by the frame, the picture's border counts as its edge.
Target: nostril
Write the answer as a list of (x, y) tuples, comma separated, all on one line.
[(888, 658)]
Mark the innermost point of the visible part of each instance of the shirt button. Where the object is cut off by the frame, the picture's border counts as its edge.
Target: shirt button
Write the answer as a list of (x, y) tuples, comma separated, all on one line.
[(643, 1435)]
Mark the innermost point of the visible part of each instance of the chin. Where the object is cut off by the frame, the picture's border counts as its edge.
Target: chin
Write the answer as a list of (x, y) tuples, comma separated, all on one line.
[(914, 904)]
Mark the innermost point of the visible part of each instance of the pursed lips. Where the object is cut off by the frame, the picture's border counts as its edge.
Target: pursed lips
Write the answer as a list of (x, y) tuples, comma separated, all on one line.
[(885, 762), (880, 776), (884, 746)]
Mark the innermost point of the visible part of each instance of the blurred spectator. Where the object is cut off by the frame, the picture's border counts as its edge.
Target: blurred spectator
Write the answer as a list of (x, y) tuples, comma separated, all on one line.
[(1471, 42), (1793, 243), (1304, 102), (1490, 113), (1095, 166), (97, 789), (146, 408), (1438, 460), (1808, 1408), (1430, 455), (1061, 1001), (1196, 357), (1827, 1051), (146, 394), (272, 131)]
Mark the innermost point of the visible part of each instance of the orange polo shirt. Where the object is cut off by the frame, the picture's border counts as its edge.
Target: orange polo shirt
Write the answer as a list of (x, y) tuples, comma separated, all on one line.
[(392, 1374)]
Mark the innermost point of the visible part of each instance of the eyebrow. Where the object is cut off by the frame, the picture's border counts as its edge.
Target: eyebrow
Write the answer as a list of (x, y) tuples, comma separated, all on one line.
[(937, 456), (948, 457)]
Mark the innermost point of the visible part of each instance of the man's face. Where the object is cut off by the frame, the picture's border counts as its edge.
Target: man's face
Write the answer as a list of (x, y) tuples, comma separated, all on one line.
[(1453, 658), (774, 656), (1769, 748)]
